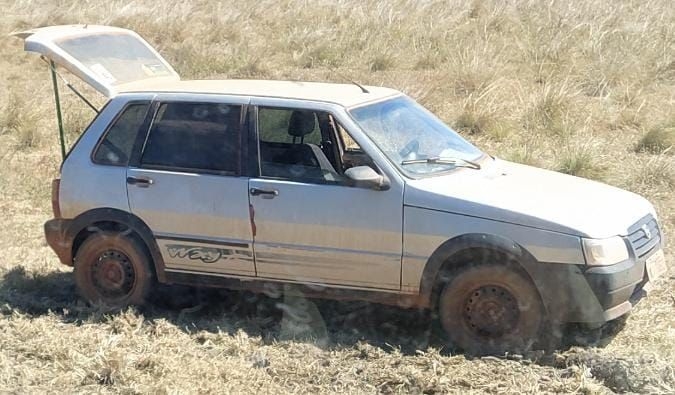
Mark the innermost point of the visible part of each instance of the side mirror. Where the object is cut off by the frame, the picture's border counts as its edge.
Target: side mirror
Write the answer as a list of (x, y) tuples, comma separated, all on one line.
[(366, 177)]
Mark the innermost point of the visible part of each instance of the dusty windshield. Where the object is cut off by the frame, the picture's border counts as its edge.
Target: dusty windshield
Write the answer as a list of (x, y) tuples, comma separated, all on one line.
[(408, 134)]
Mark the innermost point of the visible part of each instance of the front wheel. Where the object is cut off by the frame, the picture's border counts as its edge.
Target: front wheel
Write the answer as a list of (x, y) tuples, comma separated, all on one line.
[(113, 270), (491, 309)]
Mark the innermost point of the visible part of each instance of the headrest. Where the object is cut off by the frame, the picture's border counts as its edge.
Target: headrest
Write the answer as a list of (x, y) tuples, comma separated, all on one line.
[(301, 123)]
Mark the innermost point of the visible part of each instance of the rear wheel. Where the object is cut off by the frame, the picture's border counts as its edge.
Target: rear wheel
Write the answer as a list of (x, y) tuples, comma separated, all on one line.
[(113, 270), (491, 309)]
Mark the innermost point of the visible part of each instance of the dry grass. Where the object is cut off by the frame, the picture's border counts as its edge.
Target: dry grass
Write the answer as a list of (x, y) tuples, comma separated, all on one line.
[(19, 121), (565, 85), (660, 139)]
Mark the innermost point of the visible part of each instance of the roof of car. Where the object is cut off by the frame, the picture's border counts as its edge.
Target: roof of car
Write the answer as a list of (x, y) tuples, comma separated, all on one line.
[(344, 94)]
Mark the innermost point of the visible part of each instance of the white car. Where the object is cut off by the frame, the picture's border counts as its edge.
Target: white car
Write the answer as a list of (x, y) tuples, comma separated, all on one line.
[(351, 192)]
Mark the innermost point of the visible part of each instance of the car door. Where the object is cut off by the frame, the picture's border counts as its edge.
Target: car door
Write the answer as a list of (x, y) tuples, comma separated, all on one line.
[(186, 183), (310, 226)]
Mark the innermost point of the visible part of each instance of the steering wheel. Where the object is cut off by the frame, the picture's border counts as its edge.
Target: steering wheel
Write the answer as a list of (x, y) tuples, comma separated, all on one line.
[(411, 148)]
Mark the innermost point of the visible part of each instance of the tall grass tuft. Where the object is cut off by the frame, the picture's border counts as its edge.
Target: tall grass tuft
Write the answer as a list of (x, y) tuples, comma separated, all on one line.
[(75, 121), (658, 171), (549, 106), (658, 140), (472, 121), (381, 62), (21, 122), (581, 162)]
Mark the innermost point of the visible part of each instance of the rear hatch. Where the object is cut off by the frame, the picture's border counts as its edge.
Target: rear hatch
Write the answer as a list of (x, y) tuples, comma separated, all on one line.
[(105, 57)]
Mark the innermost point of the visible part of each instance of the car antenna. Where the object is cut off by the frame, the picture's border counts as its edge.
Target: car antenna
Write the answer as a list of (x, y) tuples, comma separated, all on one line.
[(363, 88)]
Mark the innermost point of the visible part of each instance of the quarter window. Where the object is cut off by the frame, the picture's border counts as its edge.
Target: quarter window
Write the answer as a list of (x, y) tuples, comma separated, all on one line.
[(195, 136), (349, 143), (115, 148)]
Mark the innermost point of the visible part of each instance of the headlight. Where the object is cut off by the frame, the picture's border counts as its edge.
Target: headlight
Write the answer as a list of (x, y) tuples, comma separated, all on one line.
[(603, 252)]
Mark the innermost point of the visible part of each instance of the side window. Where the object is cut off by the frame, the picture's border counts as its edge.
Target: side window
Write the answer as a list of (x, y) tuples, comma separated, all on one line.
[(196, 137), (115, 147), (290, 146), (278, 125)]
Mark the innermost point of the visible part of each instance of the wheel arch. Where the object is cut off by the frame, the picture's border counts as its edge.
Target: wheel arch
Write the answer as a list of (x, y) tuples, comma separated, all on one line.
[(448, 258), (114, 219)]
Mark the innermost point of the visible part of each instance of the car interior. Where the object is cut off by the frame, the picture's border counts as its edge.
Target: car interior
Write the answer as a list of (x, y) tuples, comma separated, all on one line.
[(300, 159)]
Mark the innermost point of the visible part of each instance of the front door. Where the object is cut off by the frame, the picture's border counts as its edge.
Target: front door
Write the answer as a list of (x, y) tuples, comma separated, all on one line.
[(310, 226), (187, 187)]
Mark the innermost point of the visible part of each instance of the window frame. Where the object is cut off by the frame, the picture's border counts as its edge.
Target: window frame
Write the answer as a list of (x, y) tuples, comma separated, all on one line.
[(92, 154), (142, 141)]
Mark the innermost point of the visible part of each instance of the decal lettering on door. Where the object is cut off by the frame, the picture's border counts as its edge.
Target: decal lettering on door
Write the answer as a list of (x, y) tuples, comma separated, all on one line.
[(204, 254)]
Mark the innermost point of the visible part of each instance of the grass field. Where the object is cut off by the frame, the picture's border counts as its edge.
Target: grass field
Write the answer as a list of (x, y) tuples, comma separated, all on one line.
[(584, 87)]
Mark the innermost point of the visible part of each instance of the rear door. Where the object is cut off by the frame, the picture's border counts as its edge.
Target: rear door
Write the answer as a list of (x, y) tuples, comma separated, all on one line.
[(104, 57), (186, 184)]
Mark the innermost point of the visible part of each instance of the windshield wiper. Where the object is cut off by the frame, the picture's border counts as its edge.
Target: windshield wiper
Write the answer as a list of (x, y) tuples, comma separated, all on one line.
[(459, 162)]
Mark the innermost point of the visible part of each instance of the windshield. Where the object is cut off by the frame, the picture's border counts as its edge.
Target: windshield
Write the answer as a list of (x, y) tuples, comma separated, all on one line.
[(406, 131)]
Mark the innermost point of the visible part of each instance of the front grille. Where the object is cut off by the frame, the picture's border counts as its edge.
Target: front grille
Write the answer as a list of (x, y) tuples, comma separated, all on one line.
[(644, 236)]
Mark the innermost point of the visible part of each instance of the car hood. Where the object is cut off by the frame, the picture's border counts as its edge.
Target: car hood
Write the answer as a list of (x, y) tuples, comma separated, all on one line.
[(529, 196)]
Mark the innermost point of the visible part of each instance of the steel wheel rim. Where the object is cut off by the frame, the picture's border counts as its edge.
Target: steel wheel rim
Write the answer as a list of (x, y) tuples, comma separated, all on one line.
[(490, 311), (113, 275)]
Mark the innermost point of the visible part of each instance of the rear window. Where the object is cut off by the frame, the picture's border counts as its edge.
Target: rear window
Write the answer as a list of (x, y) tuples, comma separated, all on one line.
[(116, 58), (115, 147), (195, 137)]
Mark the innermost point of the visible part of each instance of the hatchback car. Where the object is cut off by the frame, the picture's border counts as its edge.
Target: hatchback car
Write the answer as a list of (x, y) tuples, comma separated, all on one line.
[(348, 191)]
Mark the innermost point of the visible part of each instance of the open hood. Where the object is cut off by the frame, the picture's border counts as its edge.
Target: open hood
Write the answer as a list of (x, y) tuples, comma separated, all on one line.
[(104, 57)]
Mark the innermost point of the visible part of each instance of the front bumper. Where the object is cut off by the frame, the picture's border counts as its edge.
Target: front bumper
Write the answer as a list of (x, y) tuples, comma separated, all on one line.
[(56, 233), (592, 295)]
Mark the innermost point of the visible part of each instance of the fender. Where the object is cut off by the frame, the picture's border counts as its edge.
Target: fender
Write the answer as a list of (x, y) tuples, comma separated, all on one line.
[(86, 219), (469, 241)]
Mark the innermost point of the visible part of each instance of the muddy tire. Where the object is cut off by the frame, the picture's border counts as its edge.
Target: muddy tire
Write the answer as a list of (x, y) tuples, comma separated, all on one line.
[(113, 270), (491, 309)]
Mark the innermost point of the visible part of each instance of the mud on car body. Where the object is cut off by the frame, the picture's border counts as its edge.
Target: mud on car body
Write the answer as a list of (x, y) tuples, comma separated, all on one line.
[(352, 192)]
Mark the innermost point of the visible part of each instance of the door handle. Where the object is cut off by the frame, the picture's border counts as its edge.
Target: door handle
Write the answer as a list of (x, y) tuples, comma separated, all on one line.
[(268, 193), (142, 182)]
